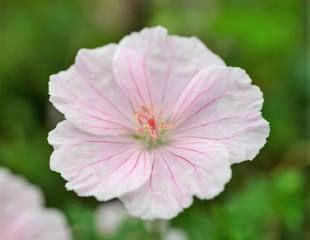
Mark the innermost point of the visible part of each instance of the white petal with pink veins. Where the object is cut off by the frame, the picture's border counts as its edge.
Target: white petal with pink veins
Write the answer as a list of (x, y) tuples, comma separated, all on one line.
[(93, 165), (88, 95), (153, 68), (180, 171), (221, 104)]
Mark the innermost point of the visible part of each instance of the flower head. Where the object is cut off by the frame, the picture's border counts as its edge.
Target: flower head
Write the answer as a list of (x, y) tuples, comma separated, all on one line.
[(110, 217), (175, 234), (153, 121), (22, 215)]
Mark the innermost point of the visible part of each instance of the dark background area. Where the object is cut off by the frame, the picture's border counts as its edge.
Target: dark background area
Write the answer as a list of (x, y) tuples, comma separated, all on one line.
[(268, 198)]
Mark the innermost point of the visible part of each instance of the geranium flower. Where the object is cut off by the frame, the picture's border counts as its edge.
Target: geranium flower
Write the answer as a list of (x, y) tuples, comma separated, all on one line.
[(154, 121), (175, 234), (110, 217), (22, 215)]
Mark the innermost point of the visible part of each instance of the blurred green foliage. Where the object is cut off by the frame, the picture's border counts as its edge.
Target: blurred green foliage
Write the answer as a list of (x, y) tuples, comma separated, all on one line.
[(266, 199)]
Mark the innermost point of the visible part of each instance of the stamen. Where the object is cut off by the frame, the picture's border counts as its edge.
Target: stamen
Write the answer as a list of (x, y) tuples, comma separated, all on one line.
[(150, 123)]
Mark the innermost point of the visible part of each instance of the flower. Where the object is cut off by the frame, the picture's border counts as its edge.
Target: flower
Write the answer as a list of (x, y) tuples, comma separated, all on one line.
[(175, 234), (153, 121), (109, 217), (22, 215)]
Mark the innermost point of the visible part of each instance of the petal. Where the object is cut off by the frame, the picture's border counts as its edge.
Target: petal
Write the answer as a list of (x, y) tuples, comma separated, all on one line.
[(161, 197), (17, 195), (110, 217), (175, 234), (43, 224), (153, 68), (88, 95), (98, 166), (22, 215), (209, 163), (221, 104), (179, 171)]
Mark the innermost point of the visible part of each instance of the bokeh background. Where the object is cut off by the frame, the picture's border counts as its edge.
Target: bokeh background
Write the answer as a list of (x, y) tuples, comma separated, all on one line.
[(268, 198)]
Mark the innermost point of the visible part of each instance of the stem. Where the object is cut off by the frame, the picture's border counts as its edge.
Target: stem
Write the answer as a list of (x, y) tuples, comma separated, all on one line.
[(156, 229)]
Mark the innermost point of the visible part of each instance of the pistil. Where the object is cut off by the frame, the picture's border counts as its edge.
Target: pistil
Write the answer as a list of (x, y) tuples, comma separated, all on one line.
[(151, 127)]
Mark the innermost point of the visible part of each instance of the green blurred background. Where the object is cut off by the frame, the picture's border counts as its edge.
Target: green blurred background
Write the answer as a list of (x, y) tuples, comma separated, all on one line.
[(268, 198)]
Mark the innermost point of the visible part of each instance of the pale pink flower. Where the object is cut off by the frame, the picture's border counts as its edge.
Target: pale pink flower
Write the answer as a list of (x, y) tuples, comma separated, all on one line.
[(22, 215), (109, 217), (175, 234), (154, 121)]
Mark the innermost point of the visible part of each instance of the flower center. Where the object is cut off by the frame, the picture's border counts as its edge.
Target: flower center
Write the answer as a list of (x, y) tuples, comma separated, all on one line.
[(151, 127)]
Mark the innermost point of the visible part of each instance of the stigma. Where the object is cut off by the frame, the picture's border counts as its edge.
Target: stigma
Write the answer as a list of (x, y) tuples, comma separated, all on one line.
[(150, 122)]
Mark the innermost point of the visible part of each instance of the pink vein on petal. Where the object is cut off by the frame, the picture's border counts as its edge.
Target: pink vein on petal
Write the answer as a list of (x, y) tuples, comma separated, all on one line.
[(173, 179), (204, 106), (134, 79), (152, 170), (144, 64), (195, 98), (168, 74), (134, 167), (83, 103), (86, 80), (101, 160), (122, 164), (209, 123), (102, 119)]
